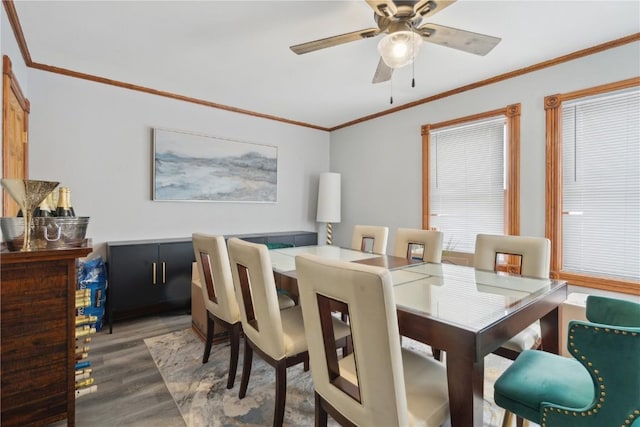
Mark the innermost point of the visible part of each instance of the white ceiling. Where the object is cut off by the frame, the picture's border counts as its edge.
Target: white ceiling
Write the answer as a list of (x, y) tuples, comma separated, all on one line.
[(236, 53)]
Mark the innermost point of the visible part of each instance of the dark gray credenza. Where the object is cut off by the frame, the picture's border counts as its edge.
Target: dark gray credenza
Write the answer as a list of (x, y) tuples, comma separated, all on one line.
[(154, 276)]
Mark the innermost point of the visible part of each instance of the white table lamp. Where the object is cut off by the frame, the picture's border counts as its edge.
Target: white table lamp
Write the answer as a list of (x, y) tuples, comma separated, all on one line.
[(329, 201)]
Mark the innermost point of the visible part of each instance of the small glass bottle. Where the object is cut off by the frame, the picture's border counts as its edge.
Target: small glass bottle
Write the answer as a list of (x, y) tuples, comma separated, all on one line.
[(43, 210), (64, 203), (52, 203)]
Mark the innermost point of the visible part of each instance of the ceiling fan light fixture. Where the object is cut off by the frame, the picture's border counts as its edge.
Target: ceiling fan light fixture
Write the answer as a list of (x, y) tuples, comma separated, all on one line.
[(399, 48)]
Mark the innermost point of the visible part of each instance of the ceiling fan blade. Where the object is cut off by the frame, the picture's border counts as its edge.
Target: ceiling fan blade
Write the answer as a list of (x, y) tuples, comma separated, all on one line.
[(383, 73), (467, 41), (334, 40), (428, 8), (385, 8)]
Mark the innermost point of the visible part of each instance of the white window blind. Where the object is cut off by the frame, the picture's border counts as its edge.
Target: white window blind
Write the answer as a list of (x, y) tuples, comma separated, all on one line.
[(467, 182), (601, 185)]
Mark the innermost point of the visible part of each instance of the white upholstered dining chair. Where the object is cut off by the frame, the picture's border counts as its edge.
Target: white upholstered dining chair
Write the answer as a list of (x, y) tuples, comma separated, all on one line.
[(278, 336), (379, 383), (527, 256), (214, 274), (218, 294), (370, 238), (415, 243)]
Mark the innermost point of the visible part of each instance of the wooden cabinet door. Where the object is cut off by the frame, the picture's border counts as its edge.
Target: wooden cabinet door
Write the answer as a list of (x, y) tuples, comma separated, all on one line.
[(15, 114), (174, 266)]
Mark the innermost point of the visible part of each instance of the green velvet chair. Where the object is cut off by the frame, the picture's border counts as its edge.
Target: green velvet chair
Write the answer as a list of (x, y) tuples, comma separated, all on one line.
[(599, 387)]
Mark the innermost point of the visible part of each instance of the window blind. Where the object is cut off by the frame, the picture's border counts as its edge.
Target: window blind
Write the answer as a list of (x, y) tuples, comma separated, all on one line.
[(467, 182), (601, 185)]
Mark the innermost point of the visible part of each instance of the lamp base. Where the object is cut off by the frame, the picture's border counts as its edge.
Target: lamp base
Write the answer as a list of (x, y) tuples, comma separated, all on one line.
[(329, 234)]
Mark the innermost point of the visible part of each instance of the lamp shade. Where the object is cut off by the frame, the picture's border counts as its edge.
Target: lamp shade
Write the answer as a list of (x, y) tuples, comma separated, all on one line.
[(400, 48), (329, 198)]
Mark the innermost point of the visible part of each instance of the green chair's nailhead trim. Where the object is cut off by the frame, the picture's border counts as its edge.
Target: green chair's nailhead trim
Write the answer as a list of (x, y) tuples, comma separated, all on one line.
[(596, 373)]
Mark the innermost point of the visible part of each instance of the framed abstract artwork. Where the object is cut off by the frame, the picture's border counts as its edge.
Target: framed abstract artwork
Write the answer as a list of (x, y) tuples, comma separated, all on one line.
[(194, 167)]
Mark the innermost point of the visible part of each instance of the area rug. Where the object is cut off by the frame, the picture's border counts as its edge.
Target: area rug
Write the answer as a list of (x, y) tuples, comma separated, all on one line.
[(200, 392)]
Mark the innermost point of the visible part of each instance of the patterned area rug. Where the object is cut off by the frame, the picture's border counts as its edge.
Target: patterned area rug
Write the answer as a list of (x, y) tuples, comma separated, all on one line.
[(200, 392)]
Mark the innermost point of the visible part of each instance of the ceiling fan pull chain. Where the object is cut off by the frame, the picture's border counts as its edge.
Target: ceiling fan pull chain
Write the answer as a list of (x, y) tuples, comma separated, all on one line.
[(413, 68), (391, 91)]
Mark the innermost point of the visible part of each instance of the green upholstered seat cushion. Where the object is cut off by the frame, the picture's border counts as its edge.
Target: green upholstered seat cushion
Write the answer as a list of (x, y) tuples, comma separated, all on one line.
[(562, 381)]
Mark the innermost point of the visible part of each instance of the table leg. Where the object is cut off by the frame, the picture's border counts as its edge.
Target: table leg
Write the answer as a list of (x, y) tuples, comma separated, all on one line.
[(466, 383), (549, 326)]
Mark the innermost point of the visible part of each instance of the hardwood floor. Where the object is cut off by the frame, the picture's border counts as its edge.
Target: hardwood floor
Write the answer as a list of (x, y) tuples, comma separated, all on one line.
[(131, 391)]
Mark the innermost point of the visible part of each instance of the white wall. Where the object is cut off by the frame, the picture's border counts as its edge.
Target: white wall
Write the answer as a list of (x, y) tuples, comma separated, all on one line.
[(10, 48), (97, 140), (381, 160)]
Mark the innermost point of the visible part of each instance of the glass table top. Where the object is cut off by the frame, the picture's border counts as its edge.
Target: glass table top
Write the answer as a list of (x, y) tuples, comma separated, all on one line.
[(469, 298), (284, 260), (458, 295)]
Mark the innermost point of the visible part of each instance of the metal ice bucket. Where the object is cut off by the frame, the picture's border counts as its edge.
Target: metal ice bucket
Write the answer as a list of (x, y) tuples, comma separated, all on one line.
[(46, 232)]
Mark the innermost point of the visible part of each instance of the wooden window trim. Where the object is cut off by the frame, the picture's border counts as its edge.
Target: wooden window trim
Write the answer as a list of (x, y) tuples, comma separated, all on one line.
[(10, 84), (553, 199), (512, 197)]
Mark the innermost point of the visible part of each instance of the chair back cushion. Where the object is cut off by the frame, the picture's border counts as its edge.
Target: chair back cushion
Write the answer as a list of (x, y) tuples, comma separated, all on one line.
[(257, 297), (215, 276), (362, 233), (367, 291), (611, 355), (431, 242), (613, 311), (535, 253)]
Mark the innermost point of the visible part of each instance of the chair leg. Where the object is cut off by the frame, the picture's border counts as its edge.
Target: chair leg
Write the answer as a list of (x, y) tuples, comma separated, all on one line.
[(520, 422), (235, 349), (506, 420), (320, 414), (246, 369), (281, 392), (209, 341)]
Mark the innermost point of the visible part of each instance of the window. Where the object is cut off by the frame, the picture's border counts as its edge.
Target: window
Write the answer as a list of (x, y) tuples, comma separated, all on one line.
[(471, 176), (593, 173)]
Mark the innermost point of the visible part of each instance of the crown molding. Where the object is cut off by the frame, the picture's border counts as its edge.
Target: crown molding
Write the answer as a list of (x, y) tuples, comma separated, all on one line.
[(17, 31)]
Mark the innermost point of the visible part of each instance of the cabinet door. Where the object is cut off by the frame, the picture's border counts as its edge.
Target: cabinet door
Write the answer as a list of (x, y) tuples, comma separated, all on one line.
[(306, 239), (174, 271), (132, 269)]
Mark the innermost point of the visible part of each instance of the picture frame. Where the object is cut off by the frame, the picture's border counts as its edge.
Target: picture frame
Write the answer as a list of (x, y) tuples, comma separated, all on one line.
[(195, 167)]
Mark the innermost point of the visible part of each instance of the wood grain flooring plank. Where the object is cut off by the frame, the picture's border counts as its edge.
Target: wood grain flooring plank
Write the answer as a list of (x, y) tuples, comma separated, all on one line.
[(131, 391)]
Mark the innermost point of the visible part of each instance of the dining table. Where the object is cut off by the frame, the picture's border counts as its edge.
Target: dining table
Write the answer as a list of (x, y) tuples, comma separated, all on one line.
[(465, 312)]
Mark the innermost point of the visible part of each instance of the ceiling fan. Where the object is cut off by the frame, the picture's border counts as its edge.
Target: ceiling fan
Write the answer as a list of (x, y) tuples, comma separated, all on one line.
[(401, 21)]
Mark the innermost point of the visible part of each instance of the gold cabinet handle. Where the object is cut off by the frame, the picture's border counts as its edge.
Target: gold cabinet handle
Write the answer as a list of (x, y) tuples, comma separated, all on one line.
[(164, 272), (154, 273)]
